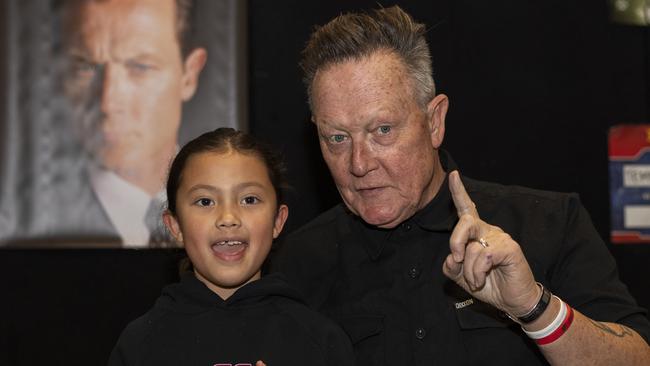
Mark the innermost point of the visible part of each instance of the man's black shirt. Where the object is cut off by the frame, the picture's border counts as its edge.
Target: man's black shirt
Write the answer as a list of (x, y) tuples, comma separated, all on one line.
[(387, 290)]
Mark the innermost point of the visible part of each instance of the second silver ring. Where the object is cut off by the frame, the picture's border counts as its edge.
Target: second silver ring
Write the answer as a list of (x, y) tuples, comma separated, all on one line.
[(483, 242)]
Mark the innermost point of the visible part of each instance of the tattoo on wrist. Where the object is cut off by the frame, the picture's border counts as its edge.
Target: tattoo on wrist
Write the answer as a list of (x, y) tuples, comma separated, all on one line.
[(622, 332)]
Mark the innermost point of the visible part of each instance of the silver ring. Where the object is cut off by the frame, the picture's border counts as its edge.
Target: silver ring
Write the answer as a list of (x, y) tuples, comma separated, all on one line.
[(483, 242)]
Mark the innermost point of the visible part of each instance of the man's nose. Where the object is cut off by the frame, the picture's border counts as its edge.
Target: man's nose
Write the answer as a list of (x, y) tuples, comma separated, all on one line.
[(362, 159), (111, 89), (228, 217)]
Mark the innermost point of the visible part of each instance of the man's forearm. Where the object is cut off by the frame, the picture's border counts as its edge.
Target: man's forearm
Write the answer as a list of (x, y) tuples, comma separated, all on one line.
[(589, 342)]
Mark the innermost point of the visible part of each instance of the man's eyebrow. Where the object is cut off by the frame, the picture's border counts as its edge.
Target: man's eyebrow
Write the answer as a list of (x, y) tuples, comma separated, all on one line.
[(325, 122), (81, 53), (144, 56), (78, 52)]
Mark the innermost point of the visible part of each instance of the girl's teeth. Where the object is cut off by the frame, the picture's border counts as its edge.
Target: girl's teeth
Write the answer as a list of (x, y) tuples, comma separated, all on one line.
[(230, 242)]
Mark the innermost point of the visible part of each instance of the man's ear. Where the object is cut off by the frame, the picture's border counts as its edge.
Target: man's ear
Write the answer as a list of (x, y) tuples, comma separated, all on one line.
[(436, 114), (280, 219), (192, 67), (172, 225)]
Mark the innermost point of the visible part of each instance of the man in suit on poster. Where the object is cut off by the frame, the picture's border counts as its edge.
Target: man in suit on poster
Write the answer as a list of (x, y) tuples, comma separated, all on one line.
[(131, 68)]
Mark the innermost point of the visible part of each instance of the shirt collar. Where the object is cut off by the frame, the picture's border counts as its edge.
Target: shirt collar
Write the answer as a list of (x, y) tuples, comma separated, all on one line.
[(439, 214), (125, 204), (371, 237)]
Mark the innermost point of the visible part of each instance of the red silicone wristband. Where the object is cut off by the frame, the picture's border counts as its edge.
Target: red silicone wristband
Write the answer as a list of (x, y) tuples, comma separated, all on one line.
[(560, 330)]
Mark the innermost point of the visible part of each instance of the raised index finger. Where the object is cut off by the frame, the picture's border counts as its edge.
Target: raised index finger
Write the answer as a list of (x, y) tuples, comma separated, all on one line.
[(462, 201)]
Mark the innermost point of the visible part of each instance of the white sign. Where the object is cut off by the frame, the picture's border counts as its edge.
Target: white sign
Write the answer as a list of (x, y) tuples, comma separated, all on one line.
[(636, 217), (636, 175)]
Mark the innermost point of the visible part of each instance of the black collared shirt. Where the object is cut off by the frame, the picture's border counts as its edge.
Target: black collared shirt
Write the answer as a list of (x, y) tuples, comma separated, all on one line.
[(387, 290)]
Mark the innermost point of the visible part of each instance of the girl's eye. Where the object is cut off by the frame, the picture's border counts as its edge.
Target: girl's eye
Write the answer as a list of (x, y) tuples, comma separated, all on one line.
[(383, 130), (250, 200), (204, 202)]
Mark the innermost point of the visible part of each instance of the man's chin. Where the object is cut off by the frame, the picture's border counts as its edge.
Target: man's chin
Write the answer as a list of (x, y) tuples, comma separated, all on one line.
[(381, 217), (121, 163)]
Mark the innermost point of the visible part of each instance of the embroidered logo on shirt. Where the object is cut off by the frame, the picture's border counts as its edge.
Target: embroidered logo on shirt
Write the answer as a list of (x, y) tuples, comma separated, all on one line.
[(464, 304)]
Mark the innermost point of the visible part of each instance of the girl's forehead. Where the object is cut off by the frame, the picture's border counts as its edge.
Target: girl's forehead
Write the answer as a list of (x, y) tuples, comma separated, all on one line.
[(227, 157), (225, 167)]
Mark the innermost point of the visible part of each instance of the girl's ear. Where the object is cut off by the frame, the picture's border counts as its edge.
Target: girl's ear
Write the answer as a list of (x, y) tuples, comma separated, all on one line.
[(280, 219), (172, 225)]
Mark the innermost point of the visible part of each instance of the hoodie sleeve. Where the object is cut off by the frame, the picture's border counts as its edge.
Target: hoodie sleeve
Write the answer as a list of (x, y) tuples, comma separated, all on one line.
[(121, 354), (327, 342), (117, 357), (127, 350), (338, 348)]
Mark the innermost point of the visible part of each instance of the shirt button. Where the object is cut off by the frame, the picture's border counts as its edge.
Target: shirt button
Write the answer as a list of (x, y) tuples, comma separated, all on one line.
[(420, 333), (406, 227), (414, 272)]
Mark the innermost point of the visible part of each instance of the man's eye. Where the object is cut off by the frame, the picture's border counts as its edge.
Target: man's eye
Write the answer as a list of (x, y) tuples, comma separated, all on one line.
[(383, 130), (337, 139), (85, 67), (137, 66), (204, 202), (250, 200)]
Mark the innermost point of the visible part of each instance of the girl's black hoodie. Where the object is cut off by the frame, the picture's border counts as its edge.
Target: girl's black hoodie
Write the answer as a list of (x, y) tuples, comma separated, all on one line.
[(263, 320)]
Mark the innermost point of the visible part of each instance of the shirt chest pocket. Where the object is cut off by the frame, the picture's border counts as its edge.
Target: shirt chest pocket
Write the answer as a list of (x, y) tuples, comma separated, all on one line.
[(366, 333), (477, 315), (487, 334)]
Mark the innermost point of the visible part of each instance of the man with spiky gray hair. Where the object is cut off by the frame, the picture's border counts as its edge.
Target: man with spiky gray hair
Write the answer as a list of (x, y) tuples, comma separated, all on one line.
[(420, 267)]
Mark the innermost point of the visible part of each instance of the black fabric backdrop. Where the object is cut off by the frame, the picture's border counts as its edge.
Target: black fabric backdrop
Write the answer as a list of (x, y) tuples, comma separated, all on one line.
[(533, 86)]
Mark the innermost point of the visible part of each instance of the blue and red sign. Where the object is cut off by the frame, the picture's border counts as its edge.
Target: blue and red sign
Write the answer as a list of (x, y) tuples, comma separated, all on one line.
[(629, 179)]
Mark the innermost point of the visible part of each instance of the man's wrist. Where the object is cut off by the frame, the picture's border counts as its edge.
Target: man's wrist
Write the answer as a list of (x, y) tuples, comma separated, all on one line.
[(534, 309), (546, 317), (538, 309)]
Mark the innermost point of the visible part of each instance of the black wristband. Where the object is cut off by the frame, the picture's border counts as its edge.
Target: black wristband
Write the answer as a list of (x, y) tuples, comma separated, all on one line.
[(539, 308)]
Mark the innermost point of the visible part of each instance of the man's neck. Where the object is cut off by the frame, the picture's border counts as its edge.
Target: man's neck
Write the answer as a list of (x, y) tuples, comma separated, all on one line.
[(148, 175), (433, 188), (149, 178)]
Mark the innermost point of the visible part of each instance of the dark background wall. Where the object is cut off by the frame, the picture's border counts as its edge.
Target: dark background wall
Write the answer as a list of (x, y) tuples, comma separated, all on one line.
[(534, 87)]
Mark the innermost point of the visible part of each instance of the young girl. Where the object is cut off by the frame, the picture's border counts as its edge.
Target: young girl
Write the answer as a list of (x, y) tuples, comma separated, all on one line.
[(225, 207)]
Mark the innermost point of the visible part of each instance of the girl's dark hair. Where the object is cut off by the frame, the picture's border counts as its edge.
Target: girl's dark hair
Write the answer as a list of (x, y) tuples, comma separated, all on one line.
[(223, 140)]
